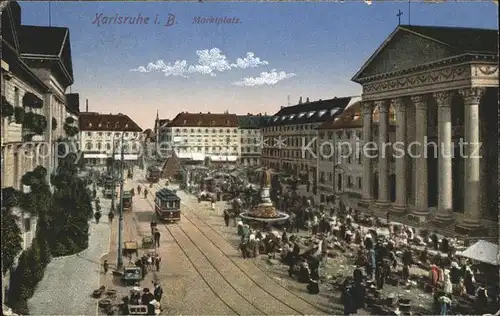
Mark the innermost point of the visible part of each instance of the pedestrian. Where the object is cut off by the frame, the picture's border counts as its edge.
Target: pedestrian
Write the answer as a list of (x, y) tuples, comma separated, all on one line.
[(97, 216), (105, 266), (145, 193), (153, 227), (158, 292), (226, 218), (157, 260), (111, 215), (213, 203), (157, 238)]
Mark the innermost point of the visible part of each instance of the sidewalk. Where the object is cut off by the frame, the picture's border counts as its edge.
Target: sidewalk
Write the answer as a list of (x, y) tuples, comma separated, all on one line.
[(69, 281)]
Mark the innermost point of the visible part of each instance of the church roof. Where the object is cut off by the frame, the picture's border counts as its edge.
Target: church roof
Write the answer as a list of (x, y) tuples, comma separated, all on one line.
[(463, 39)]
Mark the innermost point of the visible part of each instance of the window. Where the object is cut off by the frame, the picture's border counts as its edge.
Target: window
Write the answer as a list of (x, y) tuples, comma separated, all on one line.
[(109, 134), (99, 124), (89, 134), (16, 95), (99, 146), (100, 133), (134, 134), (117, 125), (27, 224), (126, 135), (360, 183), (108, 146), (108, 125), (88, 146)]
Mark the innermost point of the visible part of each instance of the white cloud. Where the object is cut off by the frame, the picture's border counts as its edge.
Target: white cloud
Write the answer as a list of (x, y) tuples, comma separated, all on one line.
[(265, 78), (250, 61), (210, 61)]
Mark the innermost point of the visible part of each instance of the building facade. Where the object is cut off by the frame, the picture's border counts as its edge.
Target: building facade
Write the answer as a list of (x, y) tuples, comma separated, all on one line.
[(36, 73), (198, 137), (251, 138), (443, 85), (290, 138), (161, 133), (101, 135)]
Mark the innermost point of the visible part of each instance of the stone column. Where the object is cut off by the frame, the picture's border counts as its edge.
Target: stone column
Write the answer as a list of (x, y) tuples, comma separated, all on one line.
[(366, 158), (421, 194), (400, 157), (383, 152), (471, 150), (445, 154)]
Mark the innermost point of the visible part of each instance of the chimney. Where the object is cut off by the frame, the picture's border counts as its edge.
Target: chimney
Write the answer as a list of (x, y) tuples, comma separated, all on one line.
[(281, 107), (300, 100), (307, 100), (320, 100), (86, 105)]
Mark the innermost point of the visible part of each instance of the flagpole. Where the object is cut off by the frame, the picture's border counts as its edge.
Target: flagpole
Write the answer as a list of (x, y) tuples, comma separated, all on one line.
[(409, 12), (50, 17)]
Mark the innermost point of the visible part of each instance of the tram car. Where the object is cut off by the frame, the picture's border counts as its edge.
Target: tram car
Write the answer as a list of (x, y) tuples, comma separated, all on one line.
[(153, 174), (167, 206)]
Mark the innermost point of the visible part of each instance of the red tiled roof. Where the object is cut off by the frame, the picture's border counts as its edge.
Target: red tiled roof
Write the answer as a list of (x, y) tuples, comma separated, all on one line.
[(350, 118), (90, 121), (204, 120)]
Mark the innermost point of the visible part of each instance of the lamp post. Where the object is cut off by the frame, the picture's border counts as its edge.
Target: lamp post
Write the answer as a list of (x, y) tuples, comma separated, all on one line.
[(113, 176), (119, 262)]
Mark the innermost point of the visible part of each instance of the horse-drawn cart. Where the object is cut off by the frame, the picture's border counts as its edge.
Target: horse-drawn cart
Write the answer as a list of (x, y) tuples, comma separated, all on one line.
[(132, 275), (147, 242), (130, 248)]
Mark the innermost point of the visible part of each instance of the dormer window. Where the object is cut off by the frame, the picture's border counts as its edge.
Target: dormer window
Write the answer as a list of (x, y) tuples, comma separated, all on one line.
[(90, 124), (108, 125), (99, 125), (126, 125), (302, 114), (275, 118), (117, 125), (310, 113), (291, 116), (333, 111), (198, 123), (227, 122), (185, 122), (321, 113)]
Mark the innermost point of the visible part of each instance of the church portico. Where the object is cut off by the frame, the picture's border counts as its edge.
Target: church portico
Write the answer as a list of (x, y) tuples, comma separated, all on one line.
[(439, 113)]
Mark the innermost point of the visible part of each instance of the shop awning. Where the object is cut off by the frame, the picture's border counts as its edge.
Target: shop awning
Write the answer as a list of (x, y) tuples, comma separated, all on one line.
[(482, 251), (32, 101)]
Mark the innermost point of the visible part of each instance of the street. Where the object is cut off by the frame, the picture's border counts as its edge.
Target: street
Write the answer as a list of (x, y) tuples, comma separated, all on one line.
[(199, 265)]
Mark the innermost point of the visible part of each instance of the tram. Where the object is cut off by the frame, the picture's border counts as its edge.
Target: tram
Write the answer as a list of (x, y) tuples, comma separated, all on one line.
[(153, 174), (168, 205)]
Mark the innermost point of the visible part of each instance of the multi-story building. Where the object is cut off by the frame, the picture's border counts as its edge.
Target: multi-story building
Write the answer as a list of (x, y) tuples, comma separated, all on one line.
[(197, 137), (341, 162), (101, 135), (445, 93), (36, 72), (290, 138), (161, 132), (251, 138)]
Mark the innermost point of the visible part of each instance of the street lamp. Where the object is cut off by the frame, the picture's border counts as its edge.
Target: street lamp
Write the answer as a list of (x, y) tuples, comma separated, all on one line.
[(119, 262)]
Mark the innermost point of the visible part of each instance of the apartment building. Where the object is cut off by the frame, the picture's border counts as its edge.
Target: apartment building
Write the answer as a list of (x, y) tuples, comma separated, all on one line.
[(290, 138), (161, 131), (251, 138), (196, 137), (101, 135), (340, 164)]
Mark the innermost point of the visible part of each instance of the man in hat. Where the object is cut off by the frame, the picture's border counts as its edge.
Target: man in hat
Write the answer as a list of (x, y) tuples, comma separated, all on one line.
[(158, 292)]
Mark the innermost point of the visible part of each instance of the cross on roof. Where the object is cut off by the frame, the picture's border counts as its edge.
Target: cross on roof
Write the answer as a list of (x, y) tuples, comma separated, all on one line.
[(400, 13)]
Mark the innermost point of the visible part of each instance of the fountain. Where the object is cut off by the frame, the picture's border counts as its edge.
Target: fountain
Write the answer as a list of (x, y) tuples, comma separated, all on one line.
[(264, 212)]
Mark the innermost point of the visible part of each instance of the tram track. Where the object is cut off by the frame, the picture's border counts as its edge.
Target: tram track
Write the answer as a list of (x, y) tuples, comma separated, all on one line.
[(289, 299), (183, 240)]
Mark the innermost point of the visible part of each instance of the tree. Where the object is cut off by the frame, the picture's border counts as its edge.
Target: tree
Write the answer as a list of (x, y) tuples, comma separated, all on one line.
[(11, 232)]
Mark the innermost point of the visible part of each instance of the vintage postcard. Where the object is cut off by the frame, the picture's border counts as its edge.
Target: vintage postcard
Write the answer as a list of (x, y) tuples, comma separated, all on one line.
[(250, 157)]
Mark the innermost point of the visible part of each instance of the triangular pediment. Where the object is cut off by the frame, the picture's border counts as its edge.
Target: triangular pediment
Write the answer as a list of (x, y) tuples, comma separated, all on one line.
[(403, 49)]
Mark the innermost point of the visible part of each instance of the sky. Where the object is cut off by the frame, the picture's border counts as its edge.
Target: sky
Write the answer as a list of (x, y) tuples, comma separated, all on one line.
[(270, 52)]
